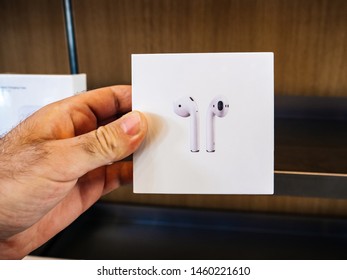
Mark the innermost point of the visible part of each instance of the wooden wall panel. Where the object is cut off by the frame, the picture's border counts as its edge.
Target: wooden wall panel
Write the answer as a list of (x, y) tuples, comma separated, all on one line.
[(33, 37), (309, 38)]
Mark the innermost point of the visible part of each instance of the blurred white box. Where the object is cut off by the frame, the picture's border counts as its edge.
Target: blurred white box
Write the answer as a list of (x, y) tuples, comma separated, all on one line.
[(21, 95)]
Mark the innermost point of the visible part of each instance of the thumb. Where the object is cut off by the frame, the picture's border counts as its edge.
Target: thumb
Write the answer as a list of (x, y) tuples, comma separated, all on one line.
[(102, 146)]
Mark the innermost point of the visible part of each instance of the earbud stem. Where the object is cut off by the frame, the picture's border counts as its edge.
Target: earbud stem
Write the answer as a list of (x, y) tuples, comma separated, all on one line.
[(210, 142), (194, 132)]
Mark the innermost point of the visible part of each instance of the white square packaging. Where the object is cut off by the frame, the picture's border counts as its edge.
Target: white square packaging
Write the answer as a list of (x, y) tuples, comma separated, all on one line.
[(188, 148), (21, 95)]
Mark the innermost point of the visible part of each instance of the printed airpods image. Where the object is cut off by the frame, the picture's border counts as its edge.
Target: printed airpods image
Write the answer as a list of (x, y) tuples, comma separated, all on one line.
[(219, 107), (187, 107)]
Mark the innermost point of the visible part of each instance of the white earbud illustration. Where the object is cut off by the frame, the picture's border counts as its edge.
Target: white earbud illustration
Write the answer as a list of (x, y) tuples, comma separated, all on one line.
[(219, 107), (185, 107)]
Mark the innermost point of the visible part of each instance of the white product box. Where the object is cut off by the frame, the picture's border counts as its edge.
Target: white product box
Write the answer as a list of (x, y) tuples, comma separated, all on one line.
[(242, 160), (21, 95)]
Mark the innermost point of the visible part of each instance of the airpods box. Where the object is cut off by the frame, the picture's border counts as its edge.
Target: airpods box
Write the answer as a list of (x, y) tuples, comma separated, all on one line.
[(21, 95), (211, 123)]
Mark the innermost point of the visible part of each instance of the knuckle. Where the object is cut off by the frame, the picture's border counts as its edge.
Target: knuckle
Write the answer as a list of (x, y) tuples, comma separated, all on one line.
[(106, 142)]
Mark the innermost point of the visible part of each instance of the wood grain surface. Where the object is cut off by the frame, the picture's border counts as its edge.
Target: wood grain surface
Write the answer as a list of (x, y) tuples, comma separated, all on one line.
[(32, 37), (309, 38)]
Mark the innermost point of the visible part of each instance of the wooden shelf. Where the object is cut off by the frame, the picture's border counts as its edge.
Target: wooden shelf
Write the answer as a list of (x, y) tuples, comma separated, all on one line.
[(110, 231), (311, 146)]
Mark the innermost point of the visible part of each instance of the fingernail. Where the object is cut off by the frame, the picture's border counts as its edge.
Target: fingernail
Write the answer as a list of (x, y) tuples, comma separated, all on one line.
[(130, 123)]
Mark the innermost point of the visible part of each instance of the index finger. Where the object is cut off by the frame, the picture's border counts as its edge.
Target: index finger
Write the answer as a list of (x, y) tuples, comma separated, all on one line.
[(106, 102)]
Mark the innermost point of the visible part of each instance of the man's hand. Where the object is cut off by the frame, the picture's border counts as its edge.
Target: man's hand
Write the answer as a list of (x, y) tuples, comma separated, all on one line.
[(59, 161)]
